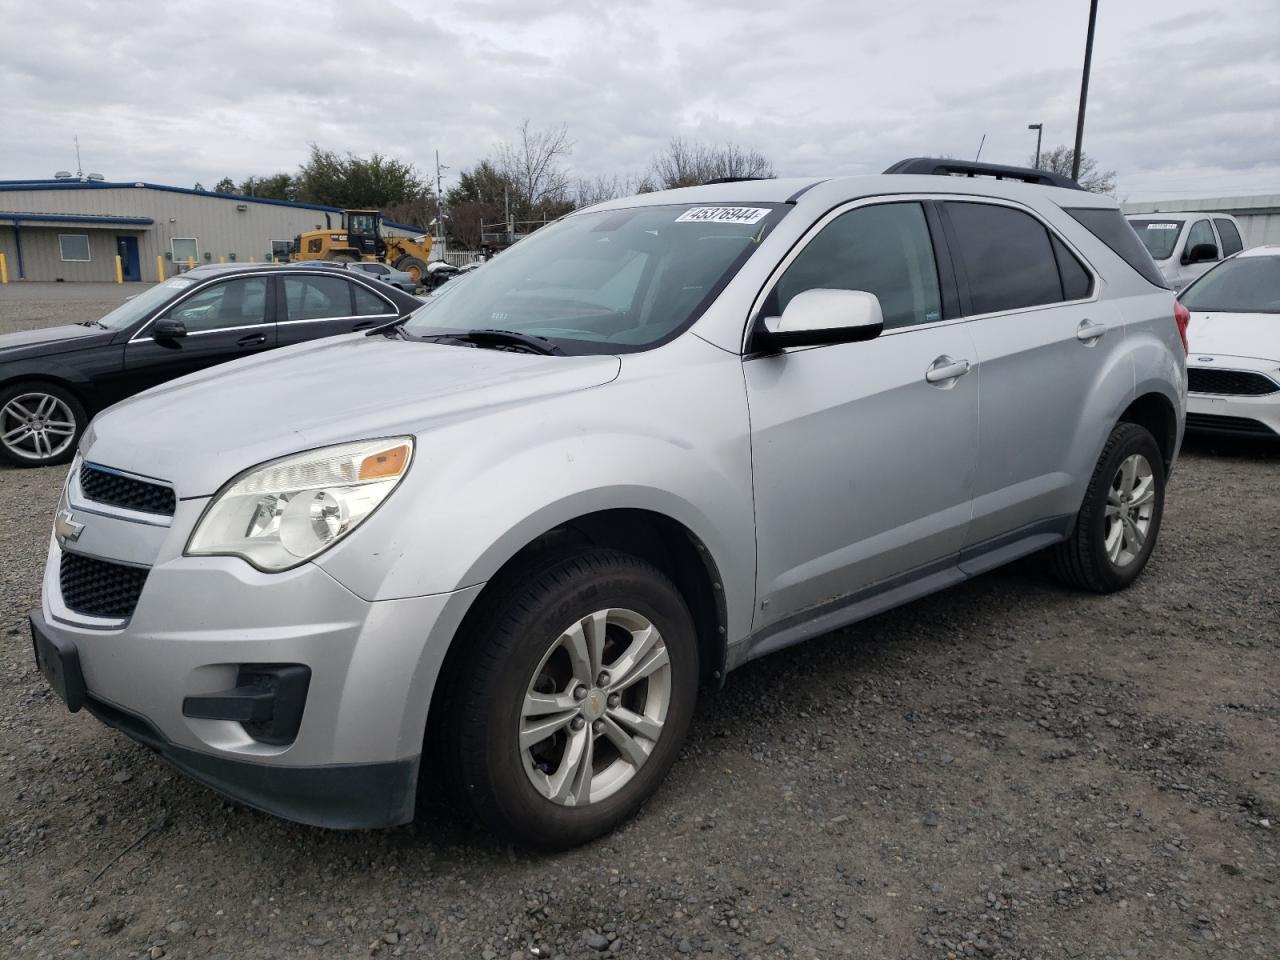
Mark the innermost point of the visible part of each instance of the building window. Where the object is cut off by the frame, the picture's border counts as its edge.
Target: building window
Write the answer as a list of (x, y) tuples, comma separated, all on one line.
[(185, 250), (74, 246), (280, 250)]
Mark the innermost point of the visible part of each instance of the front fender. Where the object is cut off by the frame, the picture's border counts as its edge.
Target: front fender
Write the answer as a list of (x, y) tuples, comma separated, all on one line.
[(670, 435)]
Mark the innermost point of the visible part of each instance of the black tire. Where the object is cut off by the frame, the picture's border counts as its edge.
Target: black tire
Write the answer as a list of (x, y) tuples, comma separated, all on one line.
[(14, 451), (1082, 559), (506, 643), (414, 266)]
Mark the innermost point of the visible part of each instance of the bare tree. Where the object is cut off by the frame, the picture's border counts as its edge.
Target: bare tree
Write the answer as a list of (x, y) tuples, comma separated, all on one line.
[(533, 163), (687, 163), (610, 186), (1059, 160)]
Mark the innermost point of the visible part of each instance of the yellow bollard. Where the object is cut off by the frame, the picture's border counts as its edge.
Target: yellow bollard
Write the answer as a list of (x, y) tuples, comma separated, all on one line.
[(4, 270), (119, 270), (253, 259), (222, 259), (191, 263), (159, 269)]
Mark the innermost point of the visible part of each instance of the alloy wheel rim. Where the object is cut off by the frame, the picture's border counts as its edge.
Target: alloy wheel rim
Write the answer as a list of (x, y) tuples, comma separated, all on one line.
[(1131, 504), (595, 707), (36, 426)]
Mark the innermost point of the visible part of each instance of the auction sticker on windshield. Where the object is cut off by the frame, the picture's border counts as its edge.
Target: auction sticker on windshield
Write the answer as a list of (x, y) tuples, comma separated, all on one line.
[(723, 215)]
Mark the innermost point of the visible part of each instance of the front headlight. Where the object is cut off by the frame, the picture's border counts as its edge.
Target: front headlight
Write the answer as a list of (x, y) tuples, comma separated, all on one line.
[(285, 512)]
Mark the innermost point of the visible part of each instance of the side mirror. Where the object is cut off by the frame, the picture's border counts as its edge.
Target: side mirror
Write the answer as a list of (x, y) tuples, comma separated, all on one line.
[(166, 328), (1201, 253), (819, 317)]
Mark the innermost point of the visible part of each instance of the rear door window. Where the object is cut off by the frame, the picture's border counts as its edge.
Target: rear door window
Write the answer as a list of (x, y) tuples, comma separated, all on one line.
[(1231, 242), (883, 249), (316, 297), (1006, 255), (369, 304)]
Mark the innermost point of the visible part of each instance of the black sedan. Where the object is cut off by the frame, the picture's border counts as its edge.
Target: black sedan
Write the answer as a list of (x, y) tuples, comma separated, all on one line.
[(52, 381)]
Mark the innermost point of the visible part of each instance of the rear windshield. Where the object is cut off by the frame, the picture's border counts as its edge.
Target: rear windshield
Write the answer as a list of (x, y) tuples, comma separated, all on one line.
[(1242, 285), (1107, 224), (1158, 236), (609, 281)]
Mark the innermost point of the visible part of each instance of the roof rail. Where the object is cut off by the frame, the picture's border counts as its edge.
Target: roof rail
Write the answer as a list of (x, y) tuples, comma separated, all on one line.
[(971, 168), (707, 183)]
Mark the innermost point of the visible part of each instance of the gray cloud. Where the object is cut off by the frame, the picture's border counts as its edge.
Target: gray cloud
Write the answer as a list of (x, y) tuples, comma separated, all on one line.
[(158, 91)]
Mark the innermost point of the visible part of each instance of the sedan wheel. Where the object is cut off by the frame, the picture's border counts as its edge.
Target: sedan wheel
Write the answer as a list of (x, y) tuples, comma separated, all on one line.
[(38, 426)]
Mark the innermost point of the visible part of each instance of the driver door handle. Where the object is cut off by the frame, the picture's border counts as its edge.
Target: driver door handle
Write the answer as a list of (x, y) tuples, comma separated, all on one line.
[(944, 369), (252, 340), (1089, 332)]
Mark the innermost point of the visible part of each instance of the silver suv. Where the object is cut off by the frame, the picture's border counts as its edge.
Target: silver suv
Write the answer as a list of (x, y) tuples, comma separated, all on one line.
[(502, 544)]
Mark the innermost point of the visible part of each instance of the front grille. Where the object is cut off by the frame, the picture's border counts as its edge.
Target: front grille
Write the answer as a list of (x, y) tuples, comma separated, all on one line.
[(1209, 421), (98, 588), (106, 486), (1238, 382)]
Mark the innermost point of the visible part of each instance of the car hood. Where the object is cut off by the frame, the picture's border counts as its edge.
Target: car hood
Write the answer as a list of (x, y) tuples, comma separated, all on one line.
[(201, 430), (49, 341), (1254, 335)]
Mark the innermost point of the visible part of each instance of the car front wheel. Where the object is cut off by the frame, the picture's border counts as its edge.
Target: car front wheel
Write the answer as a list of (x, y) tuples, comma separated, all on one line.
[(39, 424), (574, 701)]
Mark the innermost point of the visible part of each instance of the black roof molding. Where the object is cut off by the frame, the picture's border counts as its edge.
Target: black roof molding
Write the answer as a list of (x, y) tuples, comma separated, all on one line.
[(707, 183), (971, 168)]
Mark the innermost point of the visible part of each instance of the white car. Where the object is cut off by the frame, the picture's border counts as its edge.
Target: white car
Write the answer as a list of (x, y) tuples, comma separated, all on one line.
[(1233, 367), (1186, 245)]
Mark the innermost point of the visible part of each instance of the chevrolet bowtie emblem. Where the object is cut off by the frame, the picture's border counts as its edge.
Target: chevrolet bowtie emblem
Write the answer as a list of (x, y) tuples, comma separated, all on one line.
[(65, 526)]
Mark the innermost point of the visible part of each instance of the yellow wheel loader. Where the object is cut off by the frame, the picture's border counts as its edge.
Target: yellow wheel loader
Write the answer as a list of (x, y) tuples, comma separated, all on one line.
[(360, 238)]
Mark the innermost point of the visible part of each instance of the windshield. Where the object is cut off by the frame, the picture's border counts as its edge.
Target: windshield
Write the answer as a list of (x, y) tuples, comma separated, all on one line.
[(1242, 285), (1158, 236), (135, 308), (613, 281)]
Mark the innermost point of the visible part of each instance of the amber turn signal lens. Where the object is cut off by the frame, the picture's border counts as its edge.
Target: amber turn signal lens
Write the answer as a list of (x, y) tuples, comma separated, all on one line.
[(385, 464)]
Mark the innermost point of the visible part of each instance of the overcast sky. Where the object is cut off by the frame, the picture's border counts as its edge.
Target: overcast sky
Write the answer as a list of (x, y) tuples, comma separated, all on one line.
[(1184, 100)]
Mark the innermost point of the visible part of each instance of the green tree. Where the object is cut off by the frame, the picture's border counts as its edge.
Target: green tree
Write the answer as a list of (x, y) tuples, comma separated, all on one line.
[(1059, 160), (277, 186), (225, 185), (346, 180)]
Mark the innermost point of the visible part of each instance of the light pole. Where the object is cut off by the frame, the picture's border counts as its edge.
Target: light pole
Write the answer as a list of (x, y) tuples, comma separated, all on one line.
[(1039, 129), (439, 204), (1084, 90)]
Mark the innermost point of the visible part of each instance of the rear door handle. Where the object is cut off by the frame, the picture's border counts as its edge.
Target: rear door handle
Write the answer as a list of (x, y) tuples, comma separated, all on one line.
[(252, 340), (1090, 332), (944, 369)]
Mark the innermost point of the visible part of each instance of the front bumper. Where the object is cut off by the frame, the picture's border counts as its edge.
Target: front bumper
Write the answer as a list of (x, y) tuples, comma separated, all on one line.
[(200, 622), (338, 796), (1236, 414)]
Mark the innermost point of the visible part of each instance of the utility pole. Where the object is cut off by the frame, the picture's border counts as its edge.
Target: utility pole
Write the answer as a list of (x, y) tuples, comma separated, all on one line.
[(439, 205), (79, 169), (1039, 129), (1084, 90)]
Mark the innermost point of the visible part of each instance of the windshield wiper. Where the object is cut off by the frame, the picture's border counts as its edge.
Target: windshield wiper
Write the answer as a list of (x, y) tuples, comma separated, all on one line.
[(529, 341)]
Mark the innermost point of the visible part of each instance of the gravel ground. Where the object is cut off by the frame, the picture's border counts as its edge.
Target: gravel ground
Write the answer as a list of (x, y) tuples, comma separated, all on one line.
[(27, 305), (1008, 769)]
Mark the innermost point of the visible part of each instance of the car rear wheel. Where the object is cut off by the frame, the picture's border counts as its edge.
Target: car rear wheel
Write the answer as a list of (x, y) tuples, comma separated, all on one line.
[(1119, 520), (575, 699), (39, 424)]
